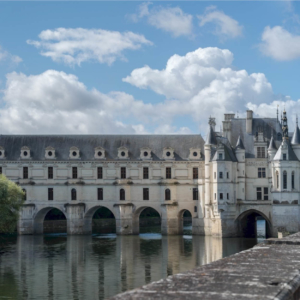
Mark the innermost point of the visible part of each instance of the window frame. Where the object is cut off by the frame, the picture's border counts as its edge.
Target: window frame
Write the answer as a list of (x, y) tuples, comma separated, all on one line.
[(261, 172), (123, 173), (74, 172), (258, 193), (99, 172), (25, 173), (50, 194), (293, 180), (195, 194), (221, 196), (195, 173), (168, 173), (261, 152), (145, 172), (73, 194), (167, 194), (220, 175), (50, 173), (122, 195), (99, 194), (145, 194), (284, 180)]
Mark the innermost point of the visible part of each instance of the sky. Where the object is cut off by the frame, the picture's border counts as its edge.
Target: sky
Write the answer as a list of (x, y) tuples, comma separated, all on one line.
[(145, 67)]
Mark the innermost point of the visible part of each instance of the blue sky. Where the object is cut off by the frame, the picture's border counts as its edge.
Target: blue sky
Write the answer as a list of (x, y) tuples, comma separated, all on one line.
[(100, 67)]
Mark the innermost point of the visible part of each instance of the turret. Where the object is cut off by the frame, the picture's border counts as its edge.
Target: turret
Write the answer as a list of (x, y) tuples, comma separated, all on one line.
[(272, 149), (240, 150), (249, 121), (296, 140)]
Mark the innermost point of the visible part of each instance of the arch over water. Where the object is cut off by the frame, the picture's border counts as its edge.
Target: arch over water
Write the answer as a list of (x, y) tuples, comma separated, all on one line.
[(185, 220), (39, 218), (247, 225), (146, 219)]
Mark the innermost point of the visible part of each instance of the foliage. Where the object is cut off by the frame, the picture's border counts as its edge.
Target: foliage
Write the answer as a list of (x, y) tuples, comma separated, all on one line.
[(11, 200)]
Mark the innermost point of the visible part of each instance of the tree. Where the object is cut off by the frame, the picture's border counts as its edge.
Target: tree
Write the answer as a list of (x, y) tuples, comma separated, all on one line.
[(11, 200)]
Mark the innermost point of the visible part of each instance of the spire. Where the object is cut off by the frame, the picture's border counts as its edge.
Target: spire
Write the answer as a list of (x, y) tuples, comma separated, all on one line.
[(285, 128), (272, 145), (296, 135), (239, 144), (211, 138)]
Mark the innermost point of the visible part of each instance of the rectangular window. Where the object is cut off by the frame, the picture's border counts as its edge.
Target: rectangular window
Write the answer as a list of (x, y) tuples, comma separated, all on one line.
[(168, 173), (195, 208), (50, 193), (220, 155), (25, 172), (195, 173), (195, 194), (100, 193), (99, 173), (261, 152), (221, 196), (123, 172), (0, 170), (227, 175), (293, 180), (227, 196), (284, 156), (74, 172), (221, 175), (266, 193), (145, 193), (284, 180), (50, 172), (261, 172), (258, 193), (145, 173)]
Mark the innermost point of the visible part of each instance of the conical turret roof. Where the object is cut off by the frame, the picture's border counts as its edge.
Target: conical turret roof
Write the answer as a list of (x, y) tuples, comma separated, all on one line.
[(239, 144), (272, 145), (296, 136), (211, 137)]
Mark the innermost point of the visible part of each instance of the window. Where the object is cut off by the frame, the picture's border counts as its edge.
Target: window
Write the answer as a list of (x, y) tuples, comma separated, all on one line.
[(277, 179), (261, 152), (50, 172), (50, 193), (146, 173), (221, 175), (284, 180), (122, 194), (195, 194), (266, 193), (100, 193), (261, 172), (227, 196), (25, 172), (221, 196), (220, 155), (0, 170), (73, 194), (195, 208), (293, 180), (25, 195), (99, 173), (168, 173), (145, 193), (74, 173), (227, 175), (215, 175), (258, 193), (195, 173), (123, 173), (167, 194), (284, 156)]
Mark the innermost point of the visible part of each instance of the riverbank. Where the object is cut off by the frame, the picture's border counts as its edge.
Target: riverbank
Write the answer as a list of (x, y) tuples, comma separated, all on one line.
[(270, 270)]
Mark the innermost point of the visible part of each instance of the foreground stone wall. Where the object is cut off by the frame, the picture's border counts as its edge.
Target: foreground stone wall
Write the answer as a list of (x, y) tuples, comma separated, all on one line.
[(270, 270)]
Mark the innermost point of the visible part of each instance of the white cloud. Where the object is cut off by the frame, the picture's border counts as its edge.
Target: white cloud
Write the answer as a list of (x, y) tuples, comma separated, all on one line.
[(226, 27), (73, 46), (280, 44), (169, 19), (8, 57)]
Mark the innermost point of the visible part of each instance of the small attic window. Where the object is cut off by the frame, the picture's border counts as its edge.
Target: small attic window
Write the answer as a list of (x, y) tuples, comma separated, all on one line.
[(284, 156), (123, 153), (195, 153), (145, 153), (168, 153), (220, 155), (50, 153), (99, 153)]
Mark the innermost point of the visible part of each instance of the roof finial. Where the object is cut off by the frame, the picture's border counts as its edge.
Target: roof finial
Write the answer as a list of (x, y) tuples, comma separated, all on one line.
[(277, 112), (297, 119)]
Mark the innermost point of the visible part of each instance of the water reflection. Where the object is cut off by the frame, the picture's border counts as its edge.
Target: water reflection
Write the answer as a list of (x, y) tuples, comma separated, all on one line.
[(99, 266)]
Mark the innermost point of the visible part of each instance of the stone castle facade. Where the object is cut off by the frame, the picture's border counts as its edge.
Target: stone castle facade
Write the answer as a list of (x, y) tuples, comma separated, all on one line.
[(251, 169)]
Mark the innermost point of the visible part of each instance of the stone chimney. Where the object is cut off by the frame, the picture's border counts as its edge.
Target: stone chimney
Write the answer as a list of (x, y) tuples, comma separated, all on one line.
[(227, 126), (249, 121)]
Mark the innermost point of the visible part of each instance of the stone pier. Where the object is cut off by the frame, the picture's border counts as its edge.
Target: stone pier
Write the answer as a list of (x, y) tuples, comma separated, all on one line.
[(270, 270)]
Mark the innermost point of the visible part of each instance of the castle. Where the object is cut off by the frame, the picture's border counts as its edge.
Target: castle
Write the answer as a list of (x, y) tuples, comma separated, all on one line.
[(251, 169)]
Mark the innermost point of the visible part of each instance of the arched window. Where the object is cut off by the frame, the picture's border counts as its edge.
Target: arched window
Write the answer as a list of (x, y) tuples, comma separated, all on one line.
[(277, 179), (284, 180), (73, 194), (122, 194), (25, 195), (167, 194), (293, 180)]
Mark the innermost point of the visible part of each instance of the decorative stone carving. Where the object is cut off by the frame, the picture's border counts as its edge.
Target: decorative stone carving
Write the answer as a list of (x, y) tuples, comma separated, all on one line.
[(99, 153), (123, 153), (74, 153), (2, 153), (50, 153), (195, 154), (25, 153), (145, 153), (168, 153)]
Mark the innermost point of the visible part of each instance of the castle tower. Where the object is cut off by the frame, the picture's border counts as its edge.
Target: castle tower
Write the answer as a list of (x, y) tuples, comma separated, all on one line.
[(240, 155)]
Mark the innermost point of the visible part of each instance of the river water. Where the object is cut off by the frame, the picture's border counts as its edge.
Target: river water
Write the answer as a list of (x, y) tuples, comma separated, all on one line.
[(99, 266)]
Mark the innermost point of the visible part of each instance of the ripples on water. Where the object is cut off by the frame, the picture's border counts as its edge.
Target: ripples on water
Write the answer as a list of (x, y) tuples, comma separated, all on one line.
[(96, 267)]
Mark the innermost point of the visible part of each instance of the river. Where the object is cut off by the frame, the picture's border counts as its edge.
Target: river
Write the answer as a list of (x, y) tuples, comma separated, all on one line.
[(58, 266)]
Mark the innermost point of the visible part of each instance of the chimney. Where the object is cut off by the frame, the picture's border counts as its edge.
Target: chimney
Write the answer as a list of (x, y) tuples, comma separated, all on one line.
[(249, 121)]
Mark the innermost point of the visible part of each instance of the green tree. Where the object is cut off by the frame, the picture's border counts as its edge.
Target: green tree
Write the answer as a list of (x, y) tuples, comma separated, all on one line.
[(11, 200)]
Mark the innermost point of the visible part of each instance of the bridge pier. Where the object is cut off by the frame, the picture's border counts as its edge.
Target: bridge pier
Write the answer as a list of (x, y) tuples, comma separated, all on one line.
[(75, 218), (124, 218), (26, 222), (170, 222)]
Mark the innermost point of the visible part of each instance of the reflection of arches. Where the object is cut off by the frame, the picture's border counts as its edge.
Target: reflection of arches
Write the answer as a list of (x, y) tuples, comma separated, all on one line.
[(38, 221), (184, 220), (88, 217), (246, 223), (147, 218)]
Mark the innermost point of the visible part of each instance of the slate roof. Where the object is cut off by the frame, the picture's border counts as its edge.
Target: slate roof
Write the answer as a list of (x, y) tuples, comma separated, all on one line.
[(272, 145), (291, 154), (87, 144), (239, 144), (211, 137), (296, 136)]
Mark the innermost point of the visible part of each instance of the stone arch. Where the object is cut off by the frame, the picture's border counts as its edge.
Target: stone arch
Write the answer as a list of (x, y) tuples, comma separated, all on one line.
[(246, 223), (136, 217), (181, 219), (38, 218), (88, 218)]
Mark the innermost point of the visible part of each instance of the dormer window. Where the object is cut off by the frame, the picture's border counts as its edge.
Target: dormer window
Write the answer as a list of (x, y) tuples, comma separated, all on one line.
[(2, 153), (123, 153), (145, 153), (168, 153), (261, 152), (284, 156), (99, 153), (25, 153), (74, 153), (195, 153), (50, 153), (220, 156)]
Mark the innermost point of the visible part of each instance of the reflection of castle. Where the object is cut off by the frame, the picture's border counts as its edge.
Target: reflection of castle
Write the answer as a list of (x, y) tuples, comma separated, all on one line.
[(82, 267), (250, 169)]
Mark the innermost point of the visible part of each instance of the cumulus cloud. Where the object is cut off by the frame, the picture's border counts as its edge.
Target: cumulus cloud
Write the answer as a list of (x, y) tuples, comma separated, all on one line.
[(280, 44), (73, 46), (226, 27), (169, 19), (8, 57)]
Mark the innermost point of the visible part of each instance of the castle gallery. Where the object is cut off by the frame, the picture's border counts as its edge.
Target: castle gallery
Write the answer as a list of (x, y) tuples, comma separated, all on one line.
[(251, 169)]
